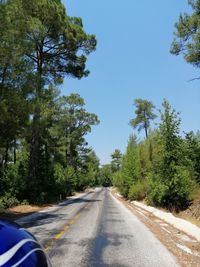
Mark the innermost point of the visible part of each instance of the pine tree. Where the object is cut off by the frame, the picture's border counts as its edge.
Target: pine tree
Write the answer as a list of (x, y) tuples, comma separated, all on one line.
[(144, 115)]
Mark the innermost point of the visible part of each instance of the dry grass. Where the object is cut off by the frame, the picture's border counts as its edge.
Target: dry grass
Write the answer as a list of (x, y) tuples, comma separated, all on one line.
[(19, 211)]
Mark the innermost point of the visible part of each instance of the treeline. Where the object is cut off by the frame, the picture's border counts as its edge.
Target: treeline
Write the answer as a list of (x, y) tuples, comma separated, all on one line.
[(43, 151), (164, 168)]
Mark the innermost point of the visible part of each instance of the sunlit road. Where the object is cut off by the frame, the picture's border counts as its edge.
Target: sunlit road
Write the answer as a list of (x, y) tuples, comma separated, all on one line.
[(97, 230)]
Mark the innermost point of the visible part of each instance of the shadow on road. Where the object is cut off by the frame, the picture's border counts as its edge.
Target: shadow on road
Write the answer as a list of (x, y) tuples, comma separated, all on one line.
[(59, 214), (78, 200)]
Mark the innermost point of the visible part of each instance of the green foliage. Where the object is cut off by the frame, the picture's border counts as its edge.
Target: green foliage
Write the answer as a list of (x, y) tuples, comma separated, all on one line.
[(14, 177), (192, 154), (130, 168), (8, 201), (163, 168), (138, 190), (92, 170), (157, 191), (64, 180), (144, 114), (117, 179), (105, 175), (144, 159), (175, 194), (116, 160), (170, 129), (75, 122), (43, 151), (187, 35), (171, 182)]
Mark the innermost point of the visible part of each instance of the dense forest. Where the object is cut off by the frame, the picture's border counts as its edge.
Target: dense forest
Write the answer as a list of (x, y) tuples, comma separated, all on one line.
[(43, 152)]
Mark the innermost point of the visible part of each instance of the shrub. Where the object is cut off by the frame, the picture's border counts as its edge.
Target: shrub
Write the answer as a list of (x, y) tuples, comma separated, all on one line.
[(13, 179), (116, 178), (9, 178), (174, 194), (179, 190), (25, 202), (64, 180), (138, 190), (155, 195), (8, 201)]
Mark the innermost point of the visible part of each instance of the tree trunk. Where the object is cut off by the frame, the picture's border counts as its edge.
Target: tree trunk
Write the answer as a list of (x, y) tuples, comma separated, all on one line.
[(150, 151), (34, 147), (35, 139), (46, 161), (6, 154), (146, 131), (14, 152)]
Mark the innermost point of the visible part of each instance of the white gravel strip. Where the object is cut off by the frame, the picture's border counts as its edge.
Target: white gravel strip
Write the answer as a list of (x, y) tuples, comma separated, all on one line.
[(184, 248), (178, 223)]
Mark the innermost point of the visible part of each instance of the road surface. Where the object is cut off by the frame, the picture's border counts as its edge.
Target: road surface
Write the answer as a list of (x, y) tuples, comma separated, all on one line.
[(97, 230)]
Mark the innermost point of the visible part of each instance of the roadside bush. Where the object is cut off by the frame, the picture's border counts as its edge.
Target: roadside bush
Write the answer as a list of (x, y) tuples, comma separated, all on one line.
[(175, 193), (138, 190), (8, 201), (64, 180), (13, 179), (180, 189), (122, 182), (9, 179), (157, 192), (24, 202), (125, 185), (116, 178)]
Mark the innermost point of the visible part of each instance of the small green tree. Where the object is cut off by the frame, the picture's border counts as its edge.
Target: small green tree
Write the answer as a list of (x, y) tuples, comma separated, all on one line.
[(192, 153), (116, 160), (130, 167), (90, 170), (171, 183)]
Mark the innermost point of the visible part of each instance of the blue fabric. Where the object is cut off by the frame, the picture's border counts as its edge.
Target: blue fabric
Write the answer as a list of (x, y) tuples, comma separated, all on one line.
[(10, 235)]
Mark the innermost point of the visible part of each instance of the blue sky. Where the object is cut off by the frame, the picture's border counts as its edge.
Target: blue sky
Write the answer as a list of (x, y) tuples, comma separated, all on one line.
[(132, 60)]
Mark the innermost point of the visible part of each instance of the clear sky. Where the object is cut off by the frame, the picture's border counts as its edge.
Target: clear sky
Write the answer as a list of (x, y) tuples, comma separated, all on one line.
[(132, 60)]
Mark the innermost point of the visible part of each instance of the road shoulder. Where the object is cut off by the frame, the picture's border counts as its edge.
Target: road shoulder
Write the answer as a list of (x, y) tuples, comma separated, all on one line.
[(52, 208), (183, 246)]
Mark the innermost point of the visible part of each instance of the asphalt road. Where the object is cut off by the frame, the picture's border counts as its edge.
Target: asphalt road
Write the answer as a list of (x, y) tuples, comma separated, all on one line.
[(97, 230)]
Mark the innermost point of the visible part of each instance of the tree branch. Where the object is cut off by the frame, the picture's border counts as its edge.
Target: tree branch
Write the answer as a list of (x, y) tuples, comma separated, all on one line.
[(191, 80)]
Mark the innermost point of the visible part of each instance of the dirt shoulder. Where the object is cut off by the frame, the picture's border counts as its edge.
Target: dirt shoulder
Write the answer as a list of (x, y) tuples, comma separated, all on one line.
[(184, 247), (17, 212)]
